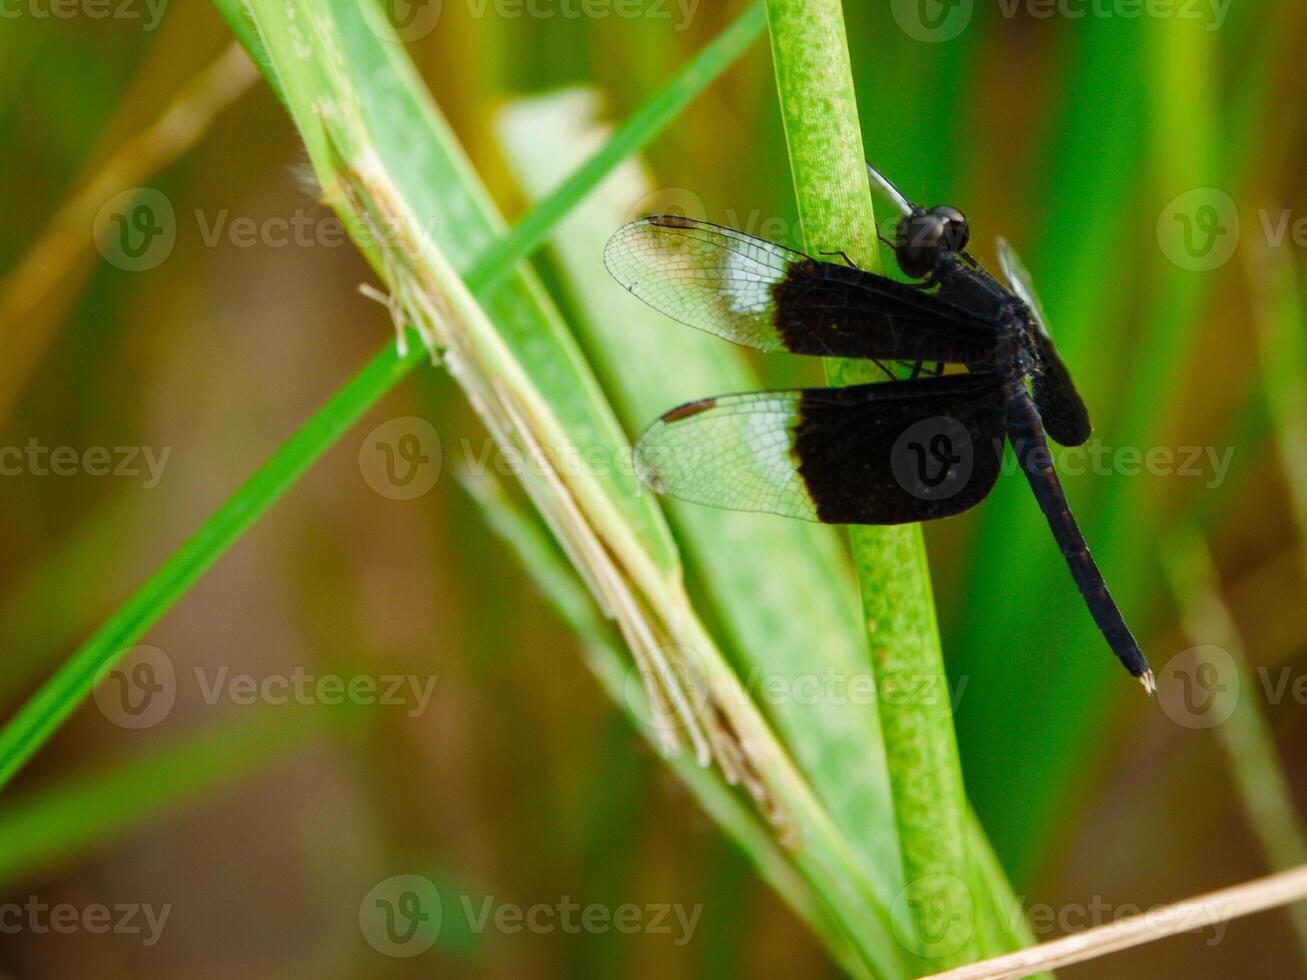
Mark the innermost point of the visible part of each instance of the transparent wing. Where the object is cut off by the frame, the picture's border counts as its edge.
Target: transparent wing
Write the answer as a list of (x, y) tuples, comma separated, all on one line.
[(888, 453), (887, 190), (1018, 277), (1060, 406), (771, 298)]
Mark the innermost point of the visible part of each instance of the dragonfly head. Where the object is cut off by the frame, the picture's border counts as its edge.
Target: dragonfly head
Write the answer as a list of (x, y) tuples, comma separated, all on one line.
[(923, 237)]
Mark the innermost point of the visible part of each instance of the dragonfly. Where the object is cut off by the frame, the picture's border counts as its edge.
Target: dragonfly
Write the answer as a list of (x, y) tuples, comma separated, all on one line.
[(981, 372)]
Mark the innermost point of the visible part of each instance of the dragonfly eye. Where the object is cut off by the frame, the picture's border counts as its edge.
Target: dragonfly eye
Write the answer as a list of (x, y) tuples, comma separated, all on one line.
[(956, 231), (919, 241)]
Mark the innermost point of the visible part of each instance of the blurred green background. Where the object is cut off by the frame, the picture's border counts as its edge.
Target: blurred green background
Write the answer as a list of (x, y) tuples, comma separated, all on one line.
[(1147, 166)]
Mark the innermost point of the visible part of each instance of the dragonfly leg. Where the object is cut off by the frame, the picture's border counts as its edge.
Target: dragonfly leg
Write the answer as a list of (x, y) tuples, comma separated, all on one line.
[(885, 368), (842, 254)]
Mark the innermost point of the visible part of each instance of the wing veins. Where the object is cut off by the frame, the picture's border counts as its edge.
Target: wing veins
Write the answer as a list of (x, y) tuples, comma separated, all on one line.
[(753, 451), (767, 296)]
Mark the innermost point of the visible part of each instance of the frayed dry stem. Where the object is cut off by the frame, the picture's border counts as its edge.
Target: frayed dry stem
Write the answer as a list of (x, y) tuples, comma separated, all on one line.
[(50, 260), (176, 129), (417, 300), (666, 692)]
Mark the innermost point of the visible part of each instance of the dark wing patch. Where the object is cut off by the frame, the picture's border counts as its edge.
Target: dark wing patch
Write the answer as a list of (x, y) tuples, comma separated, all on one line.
[(890, 453), (771, 298), (1066, 420)]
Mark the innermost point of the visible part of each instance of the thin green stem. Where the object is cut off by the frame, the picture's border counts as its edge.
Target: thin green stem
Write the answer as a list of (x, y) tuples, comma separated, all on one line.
[(819, 109)]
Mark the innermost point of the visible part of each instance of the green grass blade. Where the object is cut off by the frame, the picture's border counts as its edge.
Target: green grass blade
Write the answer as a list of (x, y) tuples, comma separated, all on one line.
[(1282, 350), (819, 109), (41, 716), (47, 709), (1256, 770), (58, 825)]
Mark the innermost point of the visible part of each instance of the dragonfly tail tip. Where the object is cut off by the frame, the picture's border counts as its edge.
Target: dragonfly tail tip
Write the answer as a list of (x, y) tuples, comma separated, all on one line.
[(1149, 682)]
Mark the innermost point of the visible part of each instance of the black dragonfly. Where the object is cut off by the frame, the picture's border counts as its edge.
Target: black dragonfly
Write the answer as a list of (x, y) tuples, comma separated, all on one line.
[(913, 448)]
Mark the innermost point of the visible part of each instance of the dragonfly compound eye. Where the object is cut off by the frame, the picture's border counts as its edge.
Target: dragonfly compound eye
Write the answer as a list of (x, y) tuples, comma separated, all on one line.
[(956, 232), (920, 239)]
